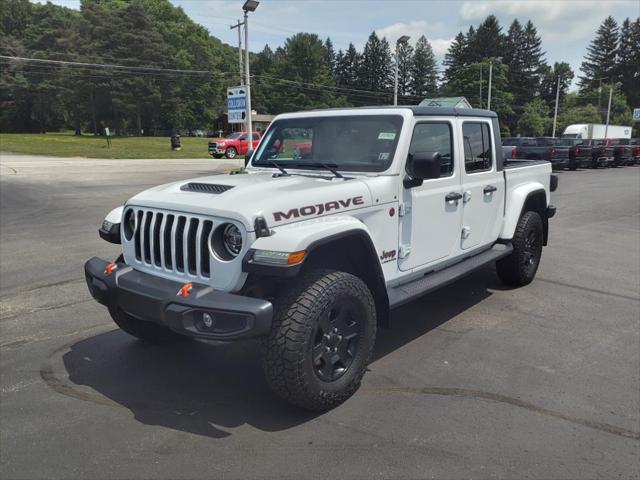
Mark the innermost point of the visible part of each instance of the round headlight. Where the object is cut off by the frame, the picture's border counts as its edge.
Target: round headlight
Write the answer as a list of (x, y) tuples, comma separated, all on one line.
[(232, 239)]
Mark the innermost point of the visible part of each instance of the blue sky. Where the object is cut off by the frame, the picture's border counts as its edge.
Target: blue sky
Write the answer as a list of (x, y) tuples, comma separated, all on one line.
[(566, 26)]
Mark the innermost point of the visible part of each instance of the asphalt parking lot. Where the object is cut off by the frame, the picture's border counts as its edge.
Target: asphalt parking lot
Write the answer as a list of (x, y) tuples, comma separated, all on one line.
[(473, 381)]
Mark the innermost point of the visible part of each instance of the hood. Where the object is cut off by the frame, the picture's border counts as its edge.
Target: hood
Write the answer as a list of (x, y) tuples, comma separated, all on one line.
[(218, 139), (243, 197)]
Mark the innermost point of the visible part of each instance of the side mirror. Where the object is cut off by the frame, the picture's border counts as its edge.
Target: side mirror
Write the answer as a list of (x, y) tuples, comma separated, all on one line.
[(421, 166), (247, 157)]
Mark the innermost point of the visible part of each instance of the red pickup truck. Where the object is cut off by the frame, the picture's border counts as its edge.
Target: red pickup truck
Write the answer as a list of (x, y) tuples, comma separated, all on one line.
[(232, 145)]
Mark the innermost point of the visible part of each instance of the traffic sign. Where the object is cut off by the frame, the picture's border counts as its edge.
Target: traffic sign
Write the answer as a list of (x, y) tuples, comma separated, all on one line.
[(237, 104), (636, 114)]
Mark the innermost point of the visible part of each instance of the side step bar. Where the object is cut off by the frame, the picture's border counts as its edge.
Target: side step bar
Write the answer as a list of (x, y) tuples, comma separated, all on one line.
[(432, 281)]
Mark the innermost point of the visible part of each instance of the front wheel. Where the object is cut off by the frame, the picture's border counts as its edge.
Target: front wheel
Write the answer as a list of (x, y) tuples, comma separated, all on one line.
[(520, 267), (231, 152), (321, 340)]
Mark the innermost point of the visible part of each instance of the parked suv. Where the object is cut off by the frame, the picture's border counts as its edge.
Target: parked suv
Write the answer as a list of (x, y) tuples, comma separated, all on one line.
[(232, 145)]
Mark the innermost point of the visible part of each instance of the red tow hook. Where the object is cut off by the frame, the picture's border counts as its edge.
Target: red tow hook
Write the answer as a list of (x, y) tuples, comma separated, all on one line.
[(108, 270), (185, 290)]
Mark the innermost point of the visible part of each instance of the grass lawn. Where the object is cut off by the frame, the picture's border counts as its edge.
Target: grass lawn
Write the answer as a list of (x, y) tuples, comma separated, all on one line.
[(68, 145)]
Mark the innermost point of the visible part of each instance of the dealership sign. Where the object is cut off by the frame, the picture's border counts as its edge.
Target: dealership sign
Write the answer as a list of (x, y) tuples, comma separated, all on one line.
[(237, 104)]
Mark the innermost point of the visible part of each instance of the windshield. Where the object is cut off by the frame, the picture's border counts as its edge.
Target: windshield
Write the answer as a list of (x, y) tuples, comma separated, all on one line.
[(353, 143), (233, 136)]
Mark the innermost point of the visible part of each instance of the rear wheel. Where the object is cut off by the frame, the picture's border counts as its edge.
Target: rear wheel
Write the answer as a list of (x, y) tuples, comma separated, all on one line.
[(231, 152), (520, 267), (321, 340), (573, 165)]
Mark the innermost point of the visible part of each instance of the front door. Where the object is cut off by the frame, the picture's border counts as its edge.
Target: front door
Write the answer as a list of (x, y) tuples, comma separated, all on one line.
[(432, 213), (483, 186)]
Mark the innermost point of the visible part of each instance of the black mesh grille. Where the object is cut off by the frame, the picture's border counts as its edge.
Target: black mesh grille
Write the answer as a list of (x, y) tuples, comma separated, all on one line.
[(205, 187)]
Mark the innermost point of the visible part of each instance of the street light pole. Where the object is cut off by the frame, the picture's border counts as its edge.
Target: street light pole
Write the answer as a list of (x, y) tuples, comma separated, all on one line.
[(555, 113), (499, 59), (480, 86), (249, 6), (606, 128), (401, 40)]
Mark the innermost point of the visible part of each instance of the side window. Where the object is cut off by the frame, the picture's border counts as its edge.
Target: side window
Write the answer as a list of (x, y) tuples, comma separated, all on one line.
[(243, 138), (478, 156), (434, 137)]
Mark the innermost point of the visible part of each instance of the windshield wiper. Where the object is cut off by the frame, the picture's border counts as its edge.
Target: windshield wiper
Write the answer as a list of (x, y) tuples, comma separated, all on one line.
[(332, 167), (279, 167)]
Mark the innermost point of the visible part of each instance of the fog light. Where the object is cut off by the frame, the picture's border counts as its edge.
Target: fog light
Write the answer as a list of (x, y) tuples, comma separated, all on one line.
[(207, 320)]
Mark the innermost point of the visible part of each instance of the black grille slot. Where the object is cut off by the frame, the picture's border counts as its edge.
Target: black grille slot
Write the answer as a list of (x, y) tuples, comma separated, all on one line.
[(147, 236), (156, 239), (137, 234), (168, 262), (204, 248), (191, 245), (205, 187), (179, 242)]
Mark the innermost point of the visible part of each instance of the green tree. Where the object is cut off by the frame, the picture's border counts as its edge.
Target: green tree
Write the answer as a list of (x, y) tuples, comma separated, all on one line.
[(628, 68), (571, 113), (375, 69), (330, 55), (405, 67), (348, 68), (486, 41), (600, 60), (454, 59), (424, 72), (550, 82), (534, 121)]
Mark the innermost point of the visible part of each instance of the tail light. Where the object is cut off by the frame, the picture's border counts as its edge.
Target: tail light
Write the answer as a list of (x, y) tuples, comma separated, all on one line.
[(603, 150), (514, 152), (636, 151), (552, 152)]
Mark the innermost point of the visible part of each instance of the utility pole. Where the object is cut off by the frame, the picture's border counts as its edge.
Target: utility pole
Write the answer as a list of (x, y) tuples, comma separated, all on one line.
[(606, 128), (238, 25), (480, 86), (402, 40), (555, 113), (491, 60), (249, 6)]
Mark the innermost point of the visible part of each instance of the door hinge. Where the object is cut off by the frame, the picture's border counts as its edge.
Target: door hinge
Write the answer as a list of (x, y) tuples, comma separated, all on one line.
[(404, 209), (404, 251)]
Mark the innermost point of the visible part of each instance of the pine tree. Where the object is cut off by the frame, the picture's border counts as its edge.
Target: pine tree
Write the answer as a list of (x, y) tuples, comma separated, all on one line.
[(330, 55), (524, 57), (348, 68), (600, 60), (487, 41), (454, 59), (424, 73), (628, 68), (375, 69), (405, 64), (549, 83)]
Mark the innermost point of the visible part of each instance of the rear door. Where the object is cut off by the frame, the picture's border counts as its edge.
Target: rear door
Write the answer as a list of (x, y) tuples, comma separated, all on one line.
[(482, 184)]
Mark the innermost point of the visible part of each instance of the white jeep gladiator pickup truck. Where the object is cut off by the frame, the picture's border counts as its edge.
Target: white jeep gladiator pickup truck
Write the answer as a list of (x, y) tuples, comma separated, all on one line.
[(338, 217)]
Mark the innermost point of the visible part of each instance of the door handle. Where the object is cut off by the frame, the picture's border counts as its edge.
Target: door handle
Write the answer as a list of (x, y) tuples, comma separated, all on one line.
[(453, 197), (489, 189)]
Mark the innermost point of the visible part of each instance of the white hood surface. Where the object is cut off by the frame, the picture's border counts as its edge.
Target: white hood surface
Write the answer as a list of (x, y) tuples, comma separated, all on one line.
[(279, 199)]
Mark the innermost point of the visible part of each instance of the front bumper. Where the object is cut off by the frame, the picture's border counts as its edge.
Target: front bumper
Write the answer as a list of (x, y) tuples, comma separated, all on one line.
[(156, 299), (216, 149)]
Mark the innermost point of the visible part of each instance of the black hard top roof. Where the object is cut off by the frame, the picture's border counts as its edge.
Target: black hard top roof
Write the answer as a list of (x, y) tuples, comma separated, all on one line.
[(420, 111)]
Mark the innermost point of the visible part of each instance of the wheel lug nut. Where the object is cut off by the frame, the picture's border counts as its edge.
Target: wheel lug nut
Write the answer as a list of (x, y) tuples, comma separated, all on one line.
[(335, 330), (328, 349)]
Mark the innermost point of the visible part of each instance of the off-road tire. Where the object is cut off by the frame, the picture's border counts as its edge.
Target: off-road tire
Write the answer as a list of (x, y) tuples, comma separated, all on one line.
[(300, 310), (217, 155), (520, 267), (231, 153)]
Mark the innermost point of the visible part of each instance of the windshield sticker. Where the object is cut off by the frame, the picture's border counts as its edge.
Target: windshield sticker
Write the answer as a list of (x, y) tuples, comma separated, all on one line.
[(386, 136), (383, 156)]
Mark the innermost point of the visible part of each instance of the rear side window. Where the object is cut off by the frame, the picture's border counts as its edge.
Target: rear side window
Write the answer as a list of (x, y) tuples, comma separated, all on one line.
[(434, 137), (478, 156)]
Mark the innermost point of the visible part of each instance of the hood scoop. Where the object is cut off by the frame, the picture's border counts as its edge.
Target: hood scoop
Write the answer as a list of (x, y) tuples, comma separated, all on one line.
[(205, 187)]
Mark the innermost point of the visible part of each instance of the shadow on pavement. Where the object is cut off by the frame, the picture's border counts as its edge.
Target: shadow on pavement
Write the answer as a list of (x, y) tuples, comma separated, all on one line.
[(202, 388)]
